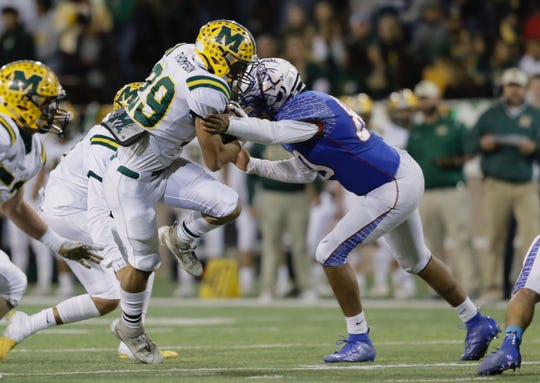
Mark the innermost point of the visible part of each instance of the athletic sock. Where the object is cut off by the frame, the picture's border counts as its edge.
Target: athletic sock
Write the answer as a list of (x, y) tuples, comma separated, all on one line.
[(132, 308), (357, 324), (468, 313), (192, 227)]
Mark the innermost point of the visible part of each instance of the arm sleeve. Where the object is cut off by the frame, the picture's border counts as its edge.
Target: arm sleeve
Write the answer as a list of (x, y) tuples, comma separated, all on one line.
[(271, 132), (290, 170)]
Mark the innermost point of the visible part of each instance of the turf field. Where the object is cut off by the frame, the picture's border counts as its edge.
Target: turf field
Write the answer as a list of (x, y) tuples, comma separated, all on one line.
[(242, 341)]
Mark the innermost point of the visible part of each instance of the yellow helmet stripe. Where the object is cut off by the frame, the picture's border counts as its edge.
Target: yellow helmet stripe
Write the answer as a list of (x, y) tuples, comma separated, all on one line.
[(9, 129), (208, 82), (104, 141)]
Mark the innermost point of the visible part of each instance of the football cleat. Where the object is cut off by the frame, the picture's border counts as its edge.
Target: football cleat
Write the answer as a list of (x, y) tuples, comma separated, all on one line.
[(479, 337), (505, 358), (352, 351), (125, 353), (140, 345), (17, 330), (183, 252)]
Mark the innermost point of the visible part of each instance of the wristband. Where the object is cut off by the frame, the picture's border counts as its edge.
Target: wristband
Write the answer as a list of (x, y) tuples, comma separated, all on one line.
[(52, 240)]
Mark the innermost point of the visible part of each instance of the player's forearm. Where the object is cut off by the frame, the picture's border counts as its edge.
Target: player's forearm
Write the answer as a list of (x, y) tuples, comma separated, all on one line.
[(285, 171), (271, 132), (24, 217)]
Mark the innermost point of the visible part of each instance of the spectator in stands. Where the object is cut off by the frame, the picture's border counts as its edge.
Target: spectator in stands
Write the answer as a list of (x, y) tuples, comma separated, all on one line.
[(436, 144), (508, 137), (395, 67), (15, 42), (533, 96), (530, 61), (430, 36), (46, 34), (314, 75), (360, 50)]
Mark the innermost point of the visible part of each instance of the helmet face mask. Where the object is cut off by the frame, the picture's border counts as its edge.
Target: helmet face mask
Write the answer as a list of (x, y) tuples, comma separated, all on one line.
[(266, 86), (30, 93), (225, 48)]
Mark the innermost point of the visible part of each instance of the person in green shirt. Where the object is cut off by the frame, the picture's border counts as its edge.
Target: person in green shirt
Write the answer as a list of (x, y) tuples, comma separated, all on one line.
[(507, 136), (436, 144)]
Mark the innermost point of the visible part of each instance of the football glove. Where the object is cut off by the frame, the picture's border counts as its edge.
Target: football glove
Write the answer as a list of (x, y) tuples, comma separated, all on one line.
[(236, 109), (79, 252)]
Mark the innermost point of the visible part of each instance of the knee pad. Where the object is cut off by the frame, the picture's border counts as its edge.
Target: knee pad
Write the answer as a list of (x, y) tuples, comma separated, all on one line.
[(414, 264), (328, 254)]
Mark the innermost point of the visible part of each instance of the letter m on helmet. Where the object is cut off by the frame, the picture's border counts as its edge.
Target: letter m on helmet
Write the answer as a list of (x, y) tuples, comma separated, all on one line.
[(21, 83), (231, 41)]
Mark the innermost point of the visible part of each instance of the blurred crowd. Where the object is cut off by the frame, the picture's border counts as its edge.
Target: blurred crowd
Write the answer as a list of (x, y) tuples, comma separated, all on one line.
[(403, 55), (340, 46)]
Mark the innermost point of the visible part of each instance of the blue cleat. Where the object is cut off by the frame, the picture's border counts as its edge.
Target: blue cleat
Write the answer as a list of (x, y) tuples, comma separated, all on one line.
[(505, 358), (352, 351), (479, 337)]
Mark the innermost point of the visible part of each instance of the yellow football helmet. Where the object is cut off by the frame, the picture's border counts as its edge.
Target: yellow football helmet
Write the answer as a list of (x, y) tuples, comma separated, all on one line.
[(30, 94), (401, 107), (402, 99), (126, 94), (361, 104), (225, 48)]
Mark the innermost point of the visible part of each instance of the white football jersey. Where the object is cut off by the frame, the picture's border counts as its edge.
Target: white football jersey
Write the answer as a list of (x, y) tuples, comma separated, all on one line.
[(20, 158), (67, 188), (177, 90)]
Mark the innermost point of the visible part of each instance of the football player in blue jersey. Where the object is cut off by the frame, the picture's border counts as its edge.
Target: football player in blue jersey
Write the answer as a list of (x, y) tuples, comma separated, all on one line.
[(327, 138)]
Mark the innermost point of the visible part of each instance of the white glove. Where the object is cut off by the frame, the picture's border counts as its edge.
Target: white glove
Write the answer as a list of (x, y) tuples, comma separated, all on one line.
[(79, 252), (236, 109)]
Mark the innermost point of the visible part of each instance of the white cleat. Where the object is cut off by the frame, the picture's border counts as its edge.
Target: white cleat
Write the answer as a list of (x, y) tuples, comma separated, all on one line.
[(184, 253), (125, 353), (141, 346), (17, 330)]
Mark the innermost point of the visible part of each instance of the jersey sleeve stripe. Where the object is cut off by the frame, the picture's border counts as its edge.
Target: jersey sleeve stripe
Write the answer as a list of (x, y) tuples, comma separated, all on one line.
[(9, 129), (104, 141), (208, 82), (94, 175)]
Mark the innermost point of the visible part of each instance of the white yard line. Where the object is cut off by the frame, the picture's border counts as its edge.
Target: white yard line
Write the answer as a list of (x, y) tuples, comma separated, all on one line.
[(273, 371)]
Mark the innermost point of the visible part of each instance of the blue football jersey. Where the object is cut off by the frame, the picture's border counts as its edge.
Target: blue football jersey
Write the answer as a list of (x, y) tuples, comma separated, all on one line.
[(344, 149)]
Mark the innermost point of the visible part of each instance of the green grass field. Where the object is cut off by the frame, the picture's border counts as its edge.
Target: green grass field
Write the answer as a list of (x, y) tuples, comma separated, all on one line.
[(242, 341)]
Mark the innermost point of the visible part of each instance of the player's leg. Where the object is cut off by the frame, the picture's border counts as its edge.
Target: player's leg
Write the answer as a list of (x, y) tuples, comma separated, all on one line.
[(100, 283), (213, 204), (12, 284), (133, 203), (123, 350), (407, 240), (498, 207), (519, 315)]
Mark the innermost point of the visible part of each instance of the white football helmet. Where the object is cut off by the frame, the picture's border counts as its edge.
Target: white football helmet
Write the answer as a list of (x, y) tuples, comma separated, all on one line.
[(266, 85)]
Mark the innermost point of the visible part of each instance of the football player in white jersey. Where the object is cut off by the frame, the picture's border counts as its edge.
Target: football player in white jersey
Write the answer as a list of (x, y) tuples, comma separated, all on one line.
[(190, 81), (29, 97), (328, 138), (74, 197)]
